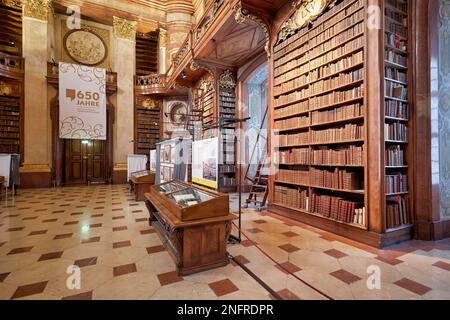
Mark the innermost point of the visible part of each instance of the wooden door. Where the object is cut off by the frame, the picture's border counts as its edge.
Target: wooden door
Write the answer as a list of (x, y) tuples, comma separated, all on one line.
[(96, 166), (85, 161)]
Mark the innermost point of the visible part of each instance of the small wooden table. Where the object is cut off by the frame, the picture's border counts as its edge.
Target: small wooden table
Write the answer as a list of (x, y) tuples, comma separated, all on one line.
[(195, 245), (141, 185)]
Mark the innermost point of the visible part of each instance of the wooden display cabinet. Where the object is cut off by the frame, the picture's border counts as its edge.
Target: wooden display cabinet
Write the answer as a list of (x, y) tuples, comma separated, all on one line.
[(140, 183), (193, 223)]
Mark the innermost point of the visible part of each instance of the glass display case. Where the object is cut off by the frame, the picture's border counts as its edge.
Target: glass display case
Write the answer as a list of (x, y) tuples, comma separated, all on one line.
[(189, 202)]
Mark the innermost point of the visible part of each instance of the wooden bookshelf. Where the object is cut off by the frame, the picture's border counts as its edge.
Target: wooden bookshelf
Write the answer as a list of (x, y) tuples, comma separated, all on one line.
[(323, 108), (227, 111), (319, 111), (11, 29), (10, 124), (146, 53), (396, 111), (147, 119)]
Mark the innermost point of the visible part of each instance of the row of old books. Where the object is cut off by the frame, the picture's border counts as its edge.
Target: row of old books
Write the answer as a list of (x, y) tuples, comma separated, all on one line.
[(396, 132), (395, 90), (396, 16), (339, 209), (334, 31), (335, 67), (336, 114), (324, 21), (291, 123), (291, 197), (391, 40), (399, 5), (345, 156), (287, 45), (395, 74), (338, 39), (391, 56), (286, 140), (396, 109), (336, 97), (294, 156), (297, 82), (397, 183), (292, 74), (291, 60), (395, 28), (336, 179), (397, 209), (395, 156), (293, 176), (326, 57), (348, 132), (336, 81), (291, 109), (294, 96)]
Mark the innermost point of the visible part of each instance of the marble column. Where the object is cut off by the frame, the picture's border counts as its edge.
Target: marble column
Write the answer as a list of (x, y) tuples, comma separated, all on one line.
[(162, 51), (125, 52), (36, 169), (179, 23)]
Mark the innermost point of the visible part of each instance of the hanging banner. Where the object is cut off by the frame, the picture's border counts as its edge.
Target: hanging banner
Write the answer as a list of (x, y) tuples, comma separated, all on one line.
[(82, 102), (205, 162)]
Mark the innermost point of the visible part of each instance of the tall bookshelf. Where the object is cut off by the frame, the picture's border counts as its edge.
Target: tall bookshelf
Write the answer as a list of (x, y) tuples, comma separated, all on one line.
[(324, 106), (397, 110), (147, 125), (11, 28), (10, 124), (227, 111), (146, 53), (319, 113), (209, 115)]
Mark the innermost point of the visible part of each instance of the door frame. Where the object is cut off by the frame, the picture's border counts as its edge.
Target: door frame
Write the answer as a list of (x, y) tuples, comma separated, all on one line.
[(58, 158)]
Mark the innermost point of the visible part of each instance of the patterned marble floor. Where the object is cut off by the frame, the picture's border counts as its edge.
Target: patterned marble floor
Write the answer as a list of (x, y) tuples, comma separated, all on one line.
[(102, 230)]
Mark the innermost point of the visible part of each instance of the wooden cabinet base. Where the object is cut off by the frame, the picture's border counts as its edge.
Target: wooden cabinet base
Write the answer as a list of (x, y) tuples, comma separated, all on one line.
[(196, 245), (140, 186)]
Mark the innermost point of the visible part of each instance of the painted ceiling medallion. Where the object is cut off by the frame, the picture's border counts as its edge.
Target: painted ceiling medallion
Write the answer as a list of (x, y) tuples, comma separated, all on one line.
[(85, 47), (307, 11)]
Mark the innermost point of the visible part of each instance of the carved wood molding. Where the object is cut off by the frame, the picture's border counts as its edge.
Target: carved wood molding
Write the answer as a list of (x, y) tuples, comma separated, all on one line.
[(16, 4), (194, 66), (242, 14), (227, 80), (305, 12)]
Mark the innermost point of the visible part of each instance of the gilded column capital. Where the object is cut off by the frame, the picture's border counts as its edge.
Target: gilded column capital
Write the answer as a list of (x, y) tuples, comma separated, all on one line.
[(124, 29), (162, 38), (37, 9)]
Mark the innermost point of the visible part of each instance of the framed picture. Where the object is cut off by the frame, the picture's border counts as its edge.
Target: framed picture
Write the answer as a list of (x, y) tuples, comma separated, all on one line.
[(167, 174), (172, 153), (166, 154)]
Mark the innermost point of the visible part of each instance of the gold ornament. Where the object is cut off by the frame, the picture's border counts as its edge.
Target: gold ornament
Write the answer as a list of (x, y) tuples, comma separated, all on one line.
[(306, 12), (124, 29), (227, 80), (37, 9)]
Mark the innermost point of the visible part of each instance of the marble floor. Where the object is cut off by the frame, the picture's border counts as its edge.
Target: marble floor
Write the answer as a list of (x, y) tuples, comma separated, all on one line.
[(103, 231)]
